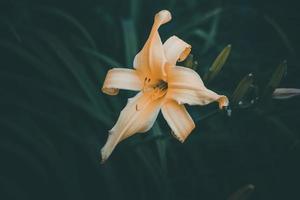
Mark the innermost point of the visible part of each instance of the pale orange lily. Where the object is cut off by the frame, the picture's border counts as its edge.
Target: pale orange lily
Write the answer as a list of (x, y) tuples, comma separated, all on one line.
[(162, 85)]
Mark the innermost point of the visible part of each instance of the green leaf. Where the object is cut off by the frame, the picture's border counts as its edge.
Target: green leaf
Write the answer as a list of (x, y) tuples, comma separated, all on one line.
[(50, 64), (161, 146), (217, 64), (76, 70), (197, 20), (210, 39), (101, 56), (243, 87), (135, 7), (61, 95), (150, 163), (114, 102), (281, 34), (22, 53), (71, 20), (70, 62), (200, 33), (130, 40)]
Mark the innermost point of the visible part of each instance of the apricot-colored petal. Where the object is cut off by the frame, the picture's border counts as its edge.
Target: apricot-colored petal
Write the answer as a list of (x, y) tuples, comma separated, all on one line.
[(186, 86), (197, 97), (121, 78), (138, 116), (185, 78), (176, 50), (151, 59), (178, 119)]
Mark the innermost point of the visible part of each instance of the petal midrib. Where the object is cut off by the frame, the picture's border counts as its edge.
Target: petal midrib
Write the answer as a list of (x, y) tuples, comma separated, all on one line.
[(145, 108)]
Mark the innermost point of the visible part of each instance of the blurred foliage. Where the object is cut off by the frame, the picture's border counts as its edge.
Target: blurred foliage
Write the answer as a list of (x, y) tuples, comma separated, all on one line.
[(54, 118)]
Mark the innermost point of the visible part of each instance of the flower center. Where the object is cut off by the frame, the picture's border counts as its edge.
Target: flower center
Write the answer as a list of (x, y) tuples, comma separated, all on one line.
[(150, 85), (158, 88), (161, 85)]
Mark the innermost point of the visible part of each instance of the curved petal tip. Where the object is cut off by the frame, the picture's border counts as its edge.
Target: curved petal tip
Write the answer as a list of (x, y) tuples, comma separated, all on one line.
[(105, 153), (185, 53), (163, 16), (110, 91), (223, 101)]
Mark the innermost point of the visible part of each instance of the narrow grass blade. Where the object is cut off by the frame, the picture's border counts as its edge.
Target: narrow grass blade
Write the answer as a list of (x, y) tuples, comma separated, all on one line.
[(161, 146), (50, 63), (35, 62), (130, 40), (62, 95), (75, 68), (114, 102), (71, 20), (197, 20), (211, 36), (102, 57), (281, 34), (135, 7), (200, 33)]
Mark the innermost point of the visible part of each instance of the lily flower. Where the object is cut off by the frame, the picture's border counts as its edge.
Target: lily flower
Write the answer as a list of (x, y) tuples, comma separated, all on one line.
[(162, 85)]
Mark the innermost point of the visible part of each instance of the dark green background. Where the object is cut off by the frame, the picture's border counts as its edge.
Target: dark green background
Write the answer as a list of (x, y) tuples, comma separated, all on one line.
[(54, 118)]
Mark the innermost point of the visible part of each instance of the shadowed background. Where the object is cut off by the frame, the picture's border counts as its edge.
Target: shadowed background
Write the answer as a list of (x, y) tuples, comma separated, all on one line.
[(54, 118)]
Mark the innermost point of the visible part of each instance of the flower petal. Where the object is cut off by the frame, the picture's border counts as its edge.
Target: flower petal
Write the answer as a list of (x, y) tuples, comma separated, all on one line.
[(178, 119), (138, 116), (186, 86), (151, 59), (176, 50), (184, 78), (197, 97), (121, 78)]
